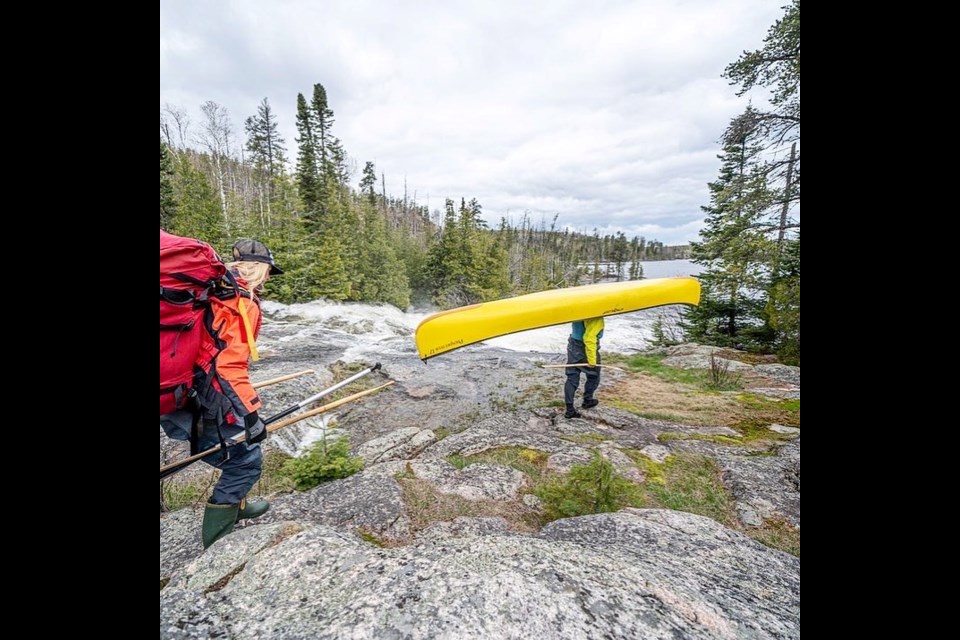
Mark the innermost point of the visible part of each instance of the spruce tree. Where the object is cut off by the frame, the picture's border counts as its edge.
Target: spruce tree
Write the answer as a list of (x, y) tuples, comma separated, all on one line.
[(264, 143), (443, 263), (783, 306), (168, 205), (266, 149), (198, 210), (732, 247), (383, 275), (308, 182), (331, 158), (368, 183)]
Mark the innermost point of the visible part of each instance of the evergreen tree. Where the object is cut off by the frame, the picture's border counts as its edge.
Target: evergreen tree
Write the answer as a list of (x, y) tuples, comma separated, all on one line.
[(776, 66), (168, 205), (619, 254), (332, 281), (314, 270), (198, 211), (264, 143), (308, 181), (783, 307), (383, 276), (732, 248), (331, 158), (368, 182), (495, 273), (444, 264), (266, 149)]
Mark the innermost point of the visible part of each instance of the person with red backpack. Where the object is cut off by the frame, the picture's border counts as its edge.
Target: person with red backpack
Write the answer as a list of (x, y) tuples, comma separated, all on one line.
[(221, 401)]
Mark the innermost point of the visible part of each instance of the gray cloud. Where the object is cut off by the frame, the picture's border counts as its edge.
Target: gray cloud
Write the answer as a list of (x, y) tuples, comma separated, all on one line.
[(606, 113)]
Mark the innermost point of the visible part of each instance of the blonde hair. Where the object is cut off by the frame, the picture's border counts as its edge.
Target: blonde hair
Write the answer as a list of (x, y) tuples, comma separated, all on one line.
[(253, 273)]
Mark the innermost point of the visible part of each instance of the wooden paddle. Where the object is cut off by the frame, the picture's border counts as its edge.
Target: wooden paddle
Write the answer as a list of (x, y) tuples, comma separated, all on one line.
[(289, 376), (582, 364)]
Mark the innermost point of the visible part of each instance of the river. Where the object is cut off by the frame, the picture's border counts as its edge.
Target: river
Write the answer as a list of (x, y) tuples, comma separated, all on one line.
[(356, 332)]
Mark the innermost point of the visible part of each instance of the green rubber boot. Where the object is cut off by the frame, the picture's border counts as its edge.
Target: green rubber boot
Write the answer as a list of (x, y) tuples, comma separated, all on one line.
[(253, 509), (218, 521)]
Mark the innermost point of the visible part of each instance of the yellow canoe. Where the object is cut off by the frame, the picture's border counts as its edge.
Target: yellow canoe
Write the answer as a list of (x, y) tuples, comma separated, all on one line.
[(455, 328)]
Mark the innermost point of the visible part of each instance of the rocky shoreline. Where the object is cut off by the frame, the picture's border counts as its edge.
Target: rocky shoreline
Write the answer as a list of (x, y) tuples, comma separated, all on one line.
[(477, 401)]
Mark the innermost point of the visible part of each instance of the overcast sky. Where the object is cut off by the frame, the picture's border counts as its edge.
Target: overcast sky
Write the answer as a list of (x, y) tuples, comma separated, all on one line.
[(605, 113)]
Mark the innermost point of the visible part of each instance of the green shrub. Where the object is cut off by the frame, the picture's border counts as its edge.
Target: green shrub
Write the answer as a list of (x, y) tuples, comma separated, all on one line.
[(588, 488), (322, 462)]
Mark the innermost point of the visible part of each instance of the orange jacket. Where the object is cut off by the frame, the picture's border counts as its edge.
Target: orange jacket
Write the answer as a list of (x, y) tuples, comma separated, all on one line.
[(233, 363)]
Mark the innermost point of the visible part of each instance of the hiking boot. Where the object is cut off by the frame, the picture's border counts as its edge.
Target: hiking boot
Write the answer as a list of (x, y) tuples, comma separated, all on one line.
[(590, 403), (572, 413), (218, 521), (253, 509)]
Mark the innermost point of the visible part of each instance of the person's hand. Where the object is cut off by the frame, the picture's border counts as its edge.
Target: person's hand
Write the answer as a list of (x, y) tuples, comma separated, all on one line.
[(255, 428)]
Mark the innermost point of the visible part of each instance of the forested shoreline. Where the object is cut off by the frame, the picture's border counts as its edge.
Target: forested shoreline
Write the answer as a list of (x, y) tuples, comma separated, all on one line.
[(341, 242)]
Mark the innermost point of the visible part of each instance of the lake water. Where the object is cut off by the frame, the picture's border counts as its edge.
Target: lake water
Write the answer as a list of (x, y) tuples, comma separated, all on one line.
[(670, 268)]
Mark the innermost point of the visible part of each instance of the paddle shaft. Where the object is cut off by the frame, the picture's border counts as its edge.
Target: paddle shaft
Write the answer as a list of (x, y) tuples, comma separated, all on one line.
[(581, 364), (309, 401)]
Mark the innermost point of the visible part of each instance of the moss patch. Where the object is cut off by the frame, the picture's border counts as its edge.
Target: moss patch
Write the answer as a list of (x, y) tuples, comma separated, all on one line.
[(777, 534), (587, 438), (372, 538), (528, 461), (425, 505), (653, 366), (694, 483), (687, 482), (651, 397)]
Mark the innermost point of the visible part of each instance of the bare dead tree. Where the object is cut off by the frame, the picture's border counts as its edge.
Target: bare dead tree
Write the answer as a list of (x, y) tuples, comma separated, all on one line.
[(215, 137), (176, 121)]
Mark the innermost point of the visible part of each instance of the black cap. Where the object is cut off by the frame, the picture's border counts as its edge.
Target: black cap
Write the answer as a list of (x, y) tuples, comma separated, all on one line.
[(255, 251)]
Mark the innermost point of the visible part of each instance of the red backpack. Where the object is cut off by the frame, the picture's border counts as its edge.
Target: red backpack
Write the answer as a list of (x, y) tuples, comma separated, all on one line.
[(191, 273)]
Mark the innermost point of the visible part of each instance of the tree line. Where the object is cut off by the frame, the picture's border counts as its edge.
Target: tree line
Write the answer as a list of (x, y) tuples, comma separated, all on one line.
[(361, 244)]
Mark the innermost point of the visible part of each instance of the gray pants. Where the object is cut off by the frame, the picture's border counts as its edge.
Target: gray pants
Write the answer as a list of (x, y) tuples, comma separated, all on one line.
[(577, 353), (240, 465)]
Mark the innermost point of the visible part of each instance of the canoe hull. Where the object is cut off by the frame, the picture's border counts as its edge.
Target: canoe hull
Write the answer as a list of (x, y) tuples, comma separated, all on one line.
[(455, 328)]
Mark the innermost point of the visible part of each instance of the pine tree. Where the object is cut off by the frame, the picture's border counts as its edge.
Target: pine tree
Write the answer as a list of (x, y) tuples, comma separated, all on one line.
[(443, 263), (308, 181), (776, 66), (383, 276), (267, 150), (313, 270), (168, 205), (368, 182), (620, 254), (266, 147), (331, 158), (198, 210), (732, 248), (783, 307)]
